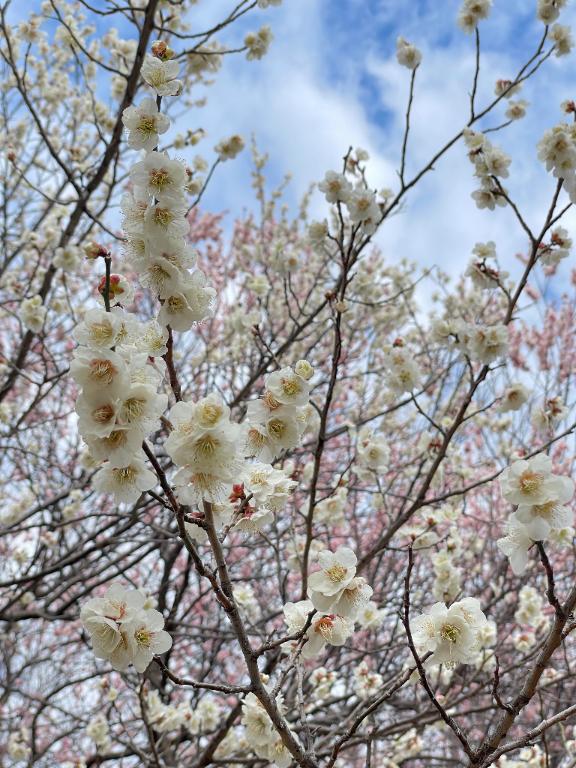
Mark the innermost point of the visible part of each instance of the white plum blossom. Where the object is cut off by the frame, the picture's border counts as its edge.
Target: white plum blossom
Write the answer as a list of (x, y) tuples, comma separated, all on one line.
[(549, 10), (33, 313), (551, 254), (123, 629), (516, 110), (204, 443), (540, 519), (362, 206), (258, 43), (337, 571), (407, 54), (452, 634), (331, 630), (160, 177), (530, 607), (261, 734), (515, 545), (403, 374), (144, 124), (287, 387), (561, 36), (227, 149), (296, 615), (487, 343), (348, 603), (531, 481), (366, 682), (370, 616), (336, 187), (331, 509), (471, 12), (161, 75), (67, 257), (126, 483), (513, 398), (323, 681)]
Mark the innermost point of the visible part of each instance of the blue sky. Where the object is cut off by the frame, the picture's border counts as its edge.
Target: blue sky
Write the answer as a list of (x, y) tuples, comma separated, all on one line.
[(331, 80)]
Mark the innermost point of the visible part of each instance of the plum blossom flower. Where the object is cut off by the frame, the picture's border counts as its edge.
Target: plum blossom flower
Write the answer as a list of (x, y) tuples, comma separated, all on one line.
[(513, 398), (452, 634), (123, 629), (336, 187), (515, 545), (407, 54), (33, 313), (144, 123), (161, 75), (125, 483), (331, 630), (531, 481), (337, 571)]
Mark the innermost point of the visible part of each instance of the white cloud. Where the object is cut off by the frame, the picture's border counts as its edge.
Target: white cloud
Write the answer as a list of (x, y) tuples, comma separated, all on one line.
[(321, 90)]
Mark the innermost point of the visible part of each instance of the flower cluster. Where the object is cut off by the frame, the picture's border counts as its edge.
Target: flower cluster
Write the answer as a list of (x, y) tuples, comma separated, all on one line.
[(366, 681), (551, 254), (211, 450), (453, 635), (491, 164), (204, 444), (557, 150), (166, 717), (541, 512), (473, 11), (403, 373), (277, 419), (361, 203), (482, 269), (124, 629), (118, 404), (337, 594), (261, 734), (156, 226)]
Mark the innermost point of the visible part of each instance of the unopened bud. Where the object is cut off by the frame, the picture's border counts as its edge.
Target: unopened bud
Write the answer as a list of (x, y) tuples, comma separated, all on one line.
[(304, 369), (93, 250)]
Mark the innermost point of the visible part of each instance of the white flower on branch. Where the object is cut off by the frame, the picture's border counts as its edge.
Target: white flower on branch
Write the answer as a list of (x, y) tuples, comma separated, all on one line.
[(161, 75), (451, 634)]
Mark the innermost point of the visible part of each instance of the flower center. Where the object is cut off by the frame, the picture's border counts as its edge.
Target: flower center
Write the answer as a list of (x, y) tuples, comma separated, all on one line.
[(450, 632), (277, 428), (544, 510), (270, 401), (102, 371), (290, 387), (116, 439), (124, 475), (143, 637), (159, 178), (163, 217), (324, 626), (210, 414), (530, 482), (147, 125), (103, 414), (101, 332), (133, 408), (336, 573), (175, 304), (207, 445)]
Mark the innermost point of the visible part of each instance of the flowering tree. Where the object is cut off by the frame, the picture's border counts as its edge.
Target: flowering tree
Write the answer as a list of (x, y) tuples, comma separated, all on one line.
[(272, 499)]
